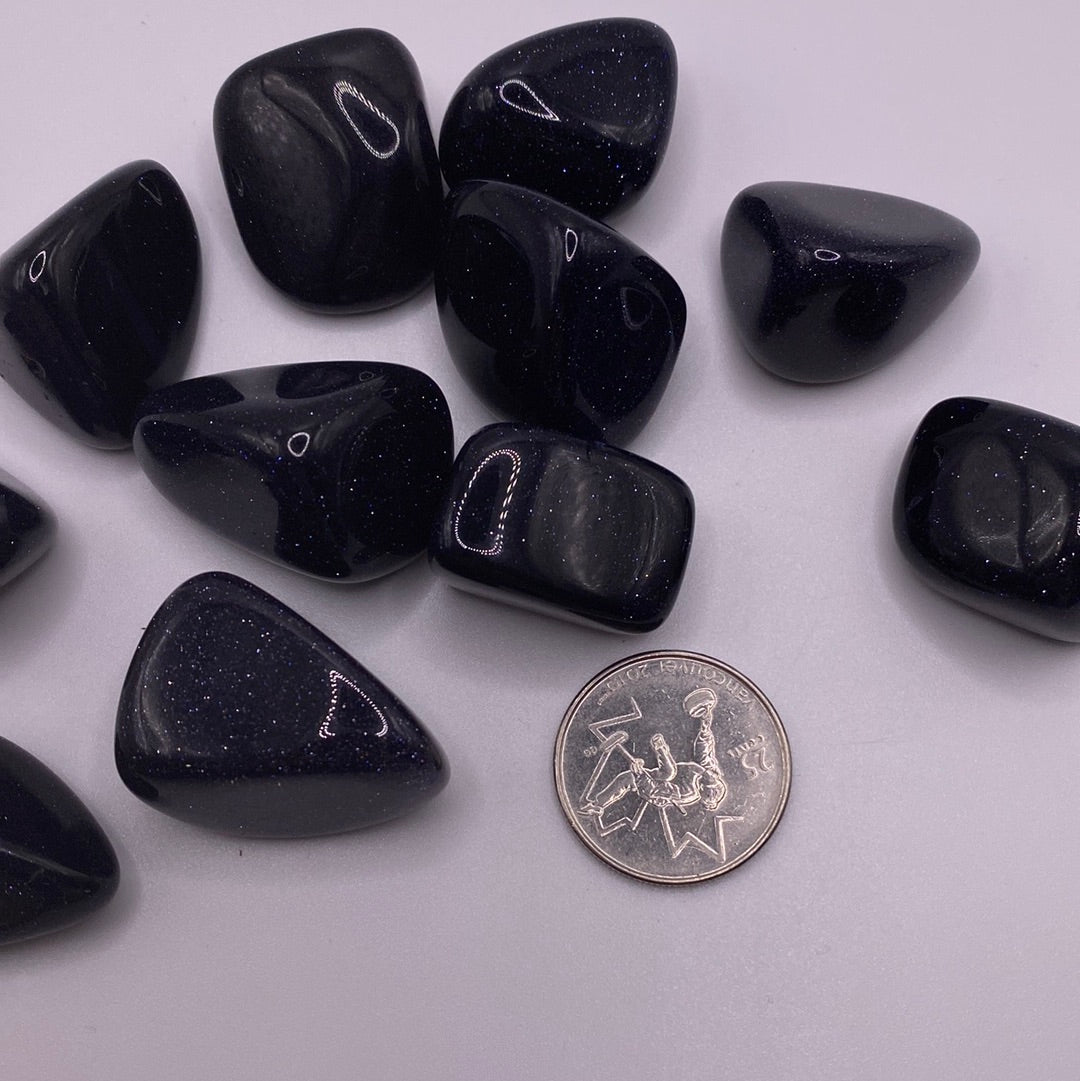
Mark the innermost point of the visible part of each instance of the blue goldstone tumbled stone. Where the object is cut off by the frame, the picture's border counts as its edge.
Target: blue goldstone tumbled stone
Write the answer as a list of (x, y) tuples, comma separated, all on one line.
[(572, 528), (553, 318), (582, 113), (99, 304), (330, 166), (335, 469), (826, 283), (238, 715), (987, 511), (56, 864)]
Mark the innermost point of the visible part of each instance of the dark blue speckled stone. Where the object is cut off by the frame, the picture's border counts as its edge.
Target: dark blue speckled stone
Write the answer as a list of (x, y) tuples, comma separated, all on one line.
[(238, 715), (330, 166), (56, 864), (334, 469), (553, 318), (582, 113), (27, 528), (987, 511), (827, 283), (99, 303), (572, 528)]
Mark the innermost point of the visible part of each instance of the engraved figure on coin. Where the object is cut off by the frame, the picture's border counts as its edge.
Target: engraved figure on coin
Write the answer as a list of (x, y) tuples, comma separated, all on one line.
[(670, 784), (700, 705)]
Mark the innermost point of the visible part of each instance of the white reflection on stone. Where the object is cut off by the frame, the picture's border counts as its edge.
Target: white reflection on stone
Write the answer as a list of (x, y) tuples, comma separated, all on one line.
[(298, 443), (37, 266), (570, 243), (496, 545), (525, 99), (151, 189), (343, 90), (336, 680)]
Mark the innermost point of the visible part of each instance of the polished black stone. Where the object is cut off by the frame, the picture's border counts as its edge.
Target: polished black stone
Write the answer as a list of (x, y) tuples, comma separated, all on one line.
[(336, 469), (572, 528), (99, 304), (553, 318), (582, 113), (987, 511), (56, 864), (27, 528), (330, 167), (827, 283), (238, 715)]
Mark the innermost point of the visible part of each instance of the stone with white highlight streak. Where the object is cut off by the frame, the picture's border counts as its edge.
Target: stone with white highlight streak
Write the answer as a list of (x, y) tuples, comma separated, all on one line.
[(330, 166), (239, 715), (575, 529), (827, 283), (581, 113), (335, 469), (99, 304)]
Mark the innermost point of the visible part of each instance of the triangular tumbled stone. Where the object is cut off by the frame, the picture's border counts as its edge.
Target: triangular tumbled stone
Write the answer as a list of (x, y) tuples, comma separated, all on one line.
[(56, 864), (582, 113), (826, 283), (239, 715)]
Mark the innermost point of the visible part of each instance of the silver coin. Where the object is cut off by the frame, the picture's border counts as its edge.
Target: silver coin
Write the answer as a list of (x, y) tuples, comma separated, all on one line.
[(672, 766)]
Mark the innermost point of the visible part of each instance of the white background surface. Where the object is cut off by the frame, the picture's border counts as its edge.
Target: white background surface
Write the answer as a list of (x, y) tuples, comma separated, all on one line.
[(915, 915)]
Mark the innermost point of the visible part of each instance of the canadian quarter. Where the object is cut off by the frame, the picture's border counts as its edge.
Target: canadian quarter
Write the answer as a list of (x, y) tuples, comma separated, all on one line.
[(672, 766)]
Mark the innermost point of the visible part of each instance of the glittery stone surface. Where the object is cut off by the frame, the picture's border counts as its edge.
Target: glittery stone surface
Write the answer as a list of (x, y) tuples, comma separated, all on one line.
[(99, 304), (553, 318), (334, 469), (582, 113), (572, 528), (56, 864), (987, 511), (330, 166), (826, 283), (238, 715), (27, 528)]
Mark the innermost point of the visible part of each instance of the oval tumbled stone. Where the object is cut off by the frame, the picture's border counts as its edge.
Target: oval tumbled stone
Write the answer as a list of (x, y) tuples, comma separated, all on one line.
[(987, 511), (335, 469), (237, 714), (330, 167)]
